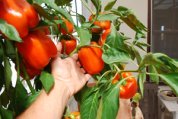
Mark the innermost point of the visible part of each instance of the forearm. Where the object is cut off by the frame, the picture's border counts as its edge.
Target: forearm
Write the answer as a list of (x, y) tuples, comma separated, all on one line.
[(51, 105)]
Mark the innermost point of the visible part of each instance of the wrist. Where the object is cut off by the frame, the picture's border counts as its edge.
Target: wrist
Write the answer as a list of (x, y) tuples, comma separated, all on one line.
[(60, 86)]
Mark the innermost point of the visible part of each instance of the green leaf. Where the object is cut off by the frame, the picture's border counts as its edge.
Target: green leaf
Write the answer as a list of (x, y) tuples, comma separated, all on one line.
[(131, 20), (30, 1), (97, 4), (162, 62), (141, 81), (137, 54), (86, 25), (104, 17), (52, 4), (110, 5), (7, 73), (9, 31), (1, 50), (99, 111), (84, 36), (88, 98), (154, 78), (81, 18), (6, 114), (2, 77), (116, 39), (113, 55), (171, 79), (4, 99), (63, 2), (20, 97), (42, 12), (10, 49), (89, 106), (47, 81), (110, 103)]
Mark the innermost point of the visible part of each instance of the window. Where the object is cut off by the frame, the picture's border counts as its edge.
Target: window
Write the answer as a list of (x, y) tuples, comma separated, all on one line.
[(164, 27)]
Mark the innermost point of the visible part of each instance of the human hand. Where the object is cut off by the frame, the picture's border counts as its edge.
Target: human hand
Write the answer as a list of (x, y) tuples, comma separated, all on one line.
[(68, 72)]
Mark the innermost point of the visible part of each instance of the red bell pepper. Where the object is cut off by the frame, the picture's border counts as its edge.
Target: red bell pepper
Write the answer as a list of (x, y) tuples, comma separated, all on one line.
[(37, 49)]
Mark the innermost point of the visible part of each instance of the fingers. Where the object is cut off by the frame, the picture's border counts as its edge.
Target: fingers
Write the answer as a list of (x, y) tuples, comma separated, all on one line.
[(75, 57), (59, 48), (87, 77)]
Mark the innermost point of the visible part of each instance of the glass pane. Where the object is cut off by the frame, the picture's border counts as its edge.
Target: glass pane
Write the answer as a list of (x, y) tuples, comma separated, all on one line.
[(165, 27)]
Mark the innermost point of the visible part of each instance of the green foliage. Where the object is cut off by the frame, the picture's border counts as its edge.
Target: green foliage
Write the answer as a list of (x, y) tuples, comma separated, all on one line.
[(7, 72), (84, 39), (6, 114), (110, 5), (9, 31), (171, 80), (47, 81), (113, 55), (110, 103)]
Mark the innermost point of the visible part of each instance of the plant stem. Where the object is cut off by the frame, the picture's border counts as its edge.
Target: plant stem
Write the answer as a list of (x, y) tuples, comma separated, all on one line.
[(105, 73), (28, 80), (117, 68), (30, 86), (18, 66), (86, 5)]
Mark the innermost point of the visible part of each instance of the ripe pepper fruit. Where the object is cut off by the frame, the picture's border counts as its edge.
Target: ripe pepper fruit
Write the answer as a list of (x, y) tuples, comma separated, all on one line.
[(20, 14), (73, 115), (32, 72), (67, 27), (31, 14), (37, 49), (103, 25), (69, 43), (129, 88), (90, 58), (104, 36)]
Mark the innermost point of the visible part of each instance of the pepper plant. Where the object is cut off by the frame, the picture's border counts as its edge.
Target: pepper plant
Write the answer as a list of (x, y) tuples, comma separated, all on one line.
[(108, 53)]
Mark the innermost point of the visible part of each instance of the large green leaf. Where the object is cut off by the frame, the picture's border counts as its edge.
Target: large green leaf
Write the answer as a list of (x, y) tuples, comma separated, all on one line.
[(113, 55), (84, 36), (162, 62), (47, 81), (110, 5), (7, 72), (9, 31), (2, 80), (171, 79), (6, 114), (89, 106), (88, 98), (154, 74), (104, 17), (110, 104)]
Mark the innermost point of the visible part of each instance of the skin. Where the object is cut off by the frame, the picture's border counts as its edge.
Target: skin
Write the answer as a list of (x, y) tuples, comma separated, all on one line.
[(69, 78)]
